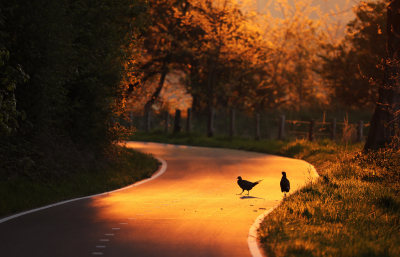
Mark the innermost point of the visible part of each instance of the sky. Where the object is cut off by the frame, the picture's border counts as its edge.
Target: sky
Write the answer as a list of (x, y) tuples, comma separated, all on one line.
[(325, 5)]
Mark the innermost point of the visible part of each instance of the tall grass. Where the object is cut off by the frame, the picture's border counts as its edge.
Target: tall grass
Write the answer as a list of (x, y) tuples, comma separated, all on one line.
[(353, 209)]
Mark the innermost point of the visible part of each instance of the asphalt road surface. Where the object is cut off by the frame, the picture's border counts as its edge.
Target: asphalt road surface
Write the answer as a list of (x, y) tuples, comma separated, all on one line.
[(192, 209)]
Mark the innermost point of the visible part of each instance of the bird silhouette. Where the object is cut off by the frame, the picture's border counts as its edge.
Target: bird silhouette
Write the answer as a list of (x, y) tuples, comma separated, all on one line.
[(285, 184), (246, 185)]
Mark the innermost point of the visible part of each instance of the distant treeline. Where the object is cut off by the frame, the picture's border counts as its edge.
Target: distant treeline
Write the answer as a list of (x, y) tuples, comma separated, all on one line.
[(62, 67), (227, 55)]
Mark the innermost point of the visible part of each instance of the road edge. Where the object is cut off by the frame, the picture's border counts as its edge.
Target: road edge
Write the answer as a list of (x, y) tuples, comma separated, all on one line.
[(158, 173), (252, 238)]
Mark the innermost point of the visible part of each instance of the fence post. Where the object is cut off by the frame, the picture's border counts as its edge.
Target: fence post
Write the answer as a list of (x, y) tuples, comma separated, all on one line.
[(281, 127), (189, 119), (131, 116), (177, 121), (333, 129), (360, 131), (232, 123), (210, 123), (147, 117), (311, 131), (166, 122), (257, 126)]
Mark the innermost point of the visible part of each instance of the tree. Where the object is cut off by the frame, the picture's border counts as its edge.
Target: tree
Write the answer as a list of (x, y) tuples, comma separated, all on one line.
[(75, 54), (162, 49), (10, 76), (224, 56), (350, 68), (385, 120)]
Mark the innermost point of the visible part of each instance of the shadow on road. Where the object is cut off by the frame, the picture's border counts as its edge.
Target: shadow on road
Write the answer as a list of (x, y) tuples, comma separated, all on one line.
[(249, 197)]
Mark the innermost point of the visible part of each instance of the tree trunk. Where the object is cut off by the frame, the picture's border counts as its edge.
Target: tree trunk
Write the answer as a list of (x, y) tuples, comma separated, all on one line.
[(385, 117), (210, 122), (164, 72)]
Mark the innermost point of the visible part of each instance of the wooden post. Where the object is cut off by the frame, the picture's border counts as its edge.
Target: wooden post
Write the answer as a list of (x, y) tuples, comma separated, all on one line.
[(360, 131), (131, 116), (232, 123), (311, 131), (333, 129), (210, 123), (281, 127), (189, 119), (177, 121), (167, 122), (147, 117), (257, 126)]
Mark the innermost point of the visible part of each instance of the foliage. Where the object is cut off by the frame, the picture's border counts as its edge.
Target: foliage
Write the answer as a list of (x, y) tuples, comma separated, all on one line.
[(75, 54), (296, 40), (228, 55), (385, 120), (212, 43), (352, 69), (10, 77)]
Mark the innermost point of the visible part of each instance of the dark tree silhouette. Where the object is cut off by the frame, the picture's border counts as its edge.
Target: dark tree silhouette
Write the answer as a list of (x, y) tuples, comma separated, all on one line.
[(386, 116)]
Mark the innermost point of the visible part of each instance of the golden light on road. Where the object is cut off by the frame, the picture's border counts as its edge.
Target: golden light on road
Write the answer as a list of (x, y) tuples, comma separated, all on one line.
[(194, 205)]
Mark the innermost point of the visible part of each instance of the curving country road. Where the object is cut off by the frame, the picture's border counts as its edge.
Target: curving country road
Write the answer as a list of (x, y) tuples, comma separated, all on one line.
[(190, 210)]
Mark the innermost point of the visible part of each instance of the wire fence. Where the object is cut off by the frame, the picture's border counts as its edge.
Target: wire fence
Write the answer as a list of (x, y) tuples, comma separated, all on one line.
[(258, 126)]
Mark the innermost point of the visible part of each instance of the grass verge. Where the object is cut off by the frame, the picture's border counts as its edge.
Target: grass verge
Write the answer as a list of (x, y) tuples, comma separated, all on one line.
[(353, 209), (127, 167)]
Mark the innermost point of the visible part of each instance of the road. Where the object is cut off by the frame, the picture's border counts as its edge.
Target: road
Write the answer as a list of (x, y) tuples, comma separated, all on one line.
[(192, 209)]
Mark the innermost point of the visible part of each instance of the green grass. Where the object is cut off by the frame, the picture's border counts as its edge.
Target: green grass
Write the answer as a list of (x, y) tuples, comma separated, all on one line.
[(353, 209), (127, 167), (197, 139)]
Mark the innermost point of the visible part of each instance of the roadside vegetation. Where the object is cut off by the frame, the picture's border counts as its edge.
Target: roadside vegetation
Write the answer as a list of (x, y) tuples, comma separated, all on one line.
[(63, 71), (352, 209), (124, 167)]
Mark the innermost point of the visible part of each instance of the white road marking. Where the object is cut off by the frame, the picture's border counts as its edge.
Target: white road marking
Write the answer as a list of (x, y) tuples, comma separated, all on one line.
[(116, 228), (109, 234), (123, 223), (100, 246), (104, 240), (97, 253), (252, 237)]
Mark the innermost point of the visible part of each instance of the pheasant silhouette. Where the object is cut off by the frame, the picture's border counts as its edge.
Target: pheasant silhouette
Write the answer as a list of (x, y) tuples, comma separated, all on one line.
[(246, 185), (285, 184)]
